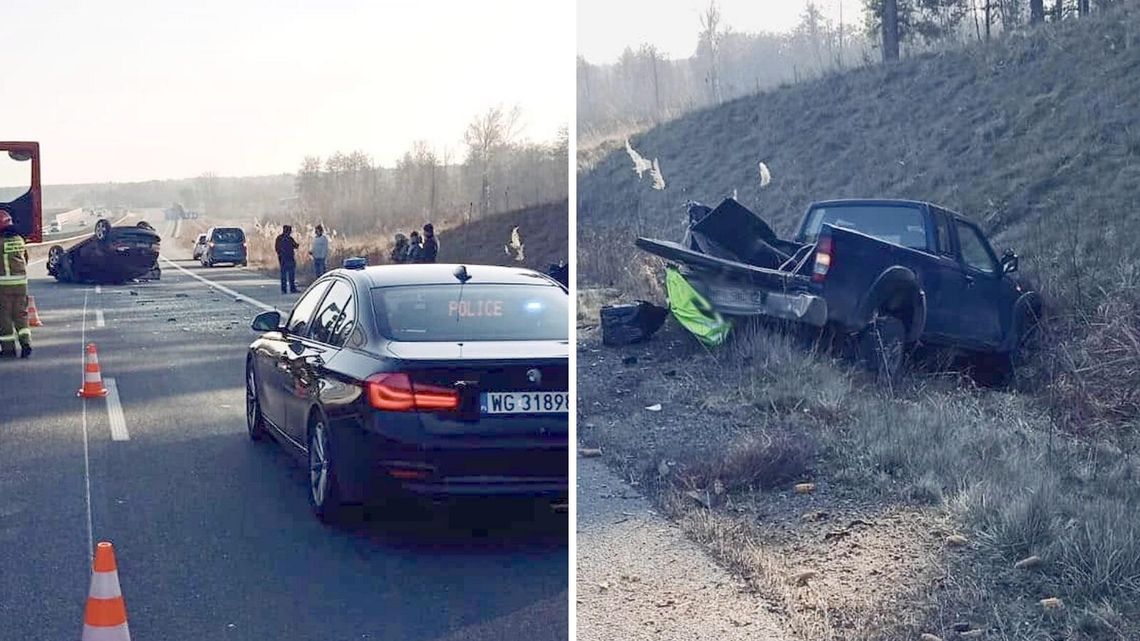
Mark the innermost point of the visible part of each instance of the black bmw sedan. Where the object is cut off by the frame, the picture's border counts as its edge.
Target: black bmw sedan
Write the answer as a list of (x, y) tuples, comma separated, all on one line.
[(418, 380)]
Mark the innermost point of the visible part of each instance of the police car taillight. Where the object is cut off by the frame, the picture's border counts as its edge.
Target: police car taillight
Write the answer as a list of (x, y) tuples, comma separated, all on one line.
[(395, 392)]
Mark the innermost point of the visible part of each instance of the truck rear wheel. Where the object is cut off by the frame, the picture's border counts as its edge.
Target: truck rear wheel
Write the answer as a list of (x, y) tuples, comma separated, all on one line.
[(882, 347)]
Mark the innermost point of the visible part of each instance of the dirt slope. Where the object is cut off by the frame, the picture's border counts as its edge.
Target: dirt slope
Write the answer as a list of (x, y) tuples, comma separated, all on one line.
[(544, 231)]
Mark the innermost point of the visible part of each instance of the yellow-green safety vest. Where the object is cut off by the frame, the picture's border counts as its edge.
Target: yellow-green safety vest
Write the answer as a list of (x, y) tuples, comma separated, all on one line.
[(14, 261)]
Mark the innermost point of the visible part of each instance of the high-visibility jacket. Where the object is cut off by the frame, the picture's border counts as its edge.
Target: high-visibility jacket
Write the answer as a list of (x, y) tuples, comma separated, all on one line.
[(693, 311), (13, 261)]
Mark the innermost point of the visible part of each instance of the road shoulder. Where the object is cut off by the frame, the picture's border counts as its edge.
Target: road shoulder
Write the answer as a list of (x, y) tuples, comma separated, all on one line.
[(639, 577)]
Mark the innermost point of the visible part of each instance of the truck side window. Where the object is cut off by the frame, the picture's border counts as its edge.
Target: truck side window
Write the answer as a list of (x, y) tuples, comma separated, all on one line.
[(974, 251), (945, 247)]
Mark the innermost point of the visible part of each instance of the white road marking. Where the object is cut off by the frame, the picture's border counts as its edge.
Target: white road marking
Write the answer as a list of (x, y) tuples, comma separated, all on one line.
[(98, 289), (99, 320), (115, 412), (86, 454), (222, 288)]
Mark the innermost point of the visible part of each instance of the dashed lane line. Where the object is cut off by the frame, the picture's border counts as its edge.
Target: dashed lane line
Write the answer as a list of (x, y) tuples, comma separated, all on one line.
[(222, 288), (86, 451), (100, 322), (115, 412)]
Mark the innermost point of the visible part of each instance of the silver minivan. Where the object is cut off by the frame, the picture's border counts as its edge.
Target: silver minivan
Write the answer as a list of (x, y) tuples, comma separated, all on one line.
[(224, 245)]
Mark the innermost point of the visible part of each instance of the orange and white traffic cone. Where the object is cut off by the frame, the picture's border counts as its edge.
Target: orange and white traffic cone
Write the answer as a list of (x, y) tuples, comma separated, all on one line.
[(33, 314), (105, 616), (92, 378)]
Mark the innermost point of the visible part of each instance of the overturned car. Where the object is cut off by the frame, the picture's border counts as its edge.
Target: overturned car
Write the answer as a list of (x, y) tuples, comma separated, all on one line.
[(111, 255)]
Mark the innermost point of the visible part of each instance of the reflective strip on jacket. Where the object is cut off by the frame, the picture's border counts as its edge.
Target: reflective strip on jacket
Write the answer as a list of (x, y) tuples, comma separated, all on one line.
[(13, 261)]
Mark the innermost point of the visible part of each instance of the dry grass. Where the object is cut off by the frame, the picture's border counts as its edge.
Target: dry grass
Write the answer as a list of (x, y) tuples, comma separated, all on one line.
[(544, 230), (742, 424)]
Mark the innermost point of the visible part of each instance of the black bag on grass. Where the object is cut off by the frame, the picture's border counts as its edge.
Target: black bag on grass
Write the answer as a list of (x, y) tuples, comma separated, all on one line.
[(631, 322)]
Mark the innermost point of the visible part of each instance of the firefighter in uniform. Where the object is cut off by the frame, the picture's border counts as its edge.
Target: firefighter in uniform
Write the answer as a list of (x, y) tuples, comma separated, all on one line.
[(13, 291)]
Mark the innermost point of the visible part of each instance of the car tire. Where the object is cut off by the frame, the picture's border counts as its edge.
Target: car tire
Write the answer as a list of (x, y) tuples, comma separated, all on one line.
[(325, 496), (254, 420), (55, 254), (102, 229), (882, 348)]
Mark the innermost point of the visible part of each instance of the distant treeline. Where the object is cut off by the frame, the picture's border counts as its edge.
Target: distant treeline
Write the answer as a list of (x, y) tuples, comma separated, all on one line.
[(498, 173), (643, 87)]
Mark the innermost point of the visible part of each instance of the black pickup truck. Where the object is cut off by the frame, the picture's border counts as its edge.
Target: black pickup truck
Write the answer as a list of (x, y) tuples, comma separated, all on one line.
[(890, 274)]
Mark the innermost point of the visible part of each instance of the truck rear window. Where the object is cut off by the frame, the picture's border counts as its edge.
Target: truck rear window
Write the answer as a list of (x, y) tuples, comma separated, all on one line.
[(897, 224), (228, 236), (485, 312)]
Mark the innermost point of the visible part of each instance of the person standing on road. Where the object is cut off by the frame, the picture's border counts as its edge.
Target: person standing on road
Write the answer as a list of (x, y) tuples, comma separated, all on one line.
[(431, 244), (286, 247), (13, 291), (415, 249), (319, 252)]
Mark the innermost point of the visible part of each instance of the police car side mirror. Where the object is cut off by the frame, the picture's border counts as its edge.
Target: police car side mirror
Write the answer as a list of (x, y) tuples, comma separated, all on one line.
[(267, 322)]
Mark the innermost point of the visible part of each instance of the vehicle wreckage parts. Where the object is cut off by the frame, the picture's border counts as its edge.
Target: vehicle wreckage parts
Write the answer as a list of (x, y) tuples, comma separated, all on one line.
[(630, 323)]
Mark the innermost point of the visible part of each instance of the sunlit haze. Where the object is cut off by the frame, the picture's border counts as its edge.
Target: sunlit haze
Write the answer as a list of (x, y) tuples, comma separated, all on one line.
[(122, 90), (606, 28)]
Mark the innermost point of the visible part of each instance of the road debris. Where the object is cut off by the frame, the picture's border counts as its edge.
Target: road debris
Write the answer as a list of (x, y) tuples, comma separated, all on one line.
[(1028, 563)]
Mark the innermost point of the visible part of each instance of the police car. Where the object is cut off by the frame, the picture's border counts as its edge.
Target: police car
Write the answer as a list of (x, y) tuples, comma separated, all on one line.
[(426, 380)]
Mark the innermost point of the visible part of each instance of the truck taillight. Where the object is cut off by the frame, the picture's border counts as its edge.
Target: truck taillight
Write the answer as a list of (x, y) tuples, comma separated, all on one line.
[(395, 392), (824, 253)]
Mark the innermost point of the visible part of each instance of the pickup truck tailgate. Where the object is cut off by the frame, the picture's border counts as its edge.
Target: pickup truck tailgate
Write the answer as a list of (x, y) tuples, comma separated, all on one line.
[(737, 288), (670, 250)]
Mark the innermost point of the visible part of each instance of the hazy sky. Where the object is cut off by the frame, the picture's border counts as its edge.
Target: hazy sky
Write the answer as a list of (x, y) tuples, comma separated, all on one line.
[(607, 27), (125, 90)]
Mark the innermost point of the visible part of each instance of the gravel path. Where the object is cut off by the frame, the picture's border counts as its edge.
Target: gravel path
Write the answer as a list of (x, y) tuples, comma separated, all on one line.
[(640, 578)]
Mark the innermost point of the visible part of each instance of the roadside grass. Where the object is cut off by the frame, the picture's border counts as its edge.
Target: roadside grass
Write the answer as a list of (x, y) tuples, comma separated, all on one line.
[(544, 231), (751, 419)]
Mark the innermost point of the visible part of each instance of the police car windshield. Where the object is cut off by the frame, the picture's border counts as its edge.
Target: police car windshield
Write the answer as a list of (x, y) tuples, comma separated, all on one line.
[(472, 312)]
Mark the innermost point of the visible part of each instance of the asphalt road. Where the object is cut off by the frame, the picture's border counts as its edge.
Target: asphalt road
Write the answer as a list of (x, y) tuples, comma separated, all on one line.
[(213, 534)]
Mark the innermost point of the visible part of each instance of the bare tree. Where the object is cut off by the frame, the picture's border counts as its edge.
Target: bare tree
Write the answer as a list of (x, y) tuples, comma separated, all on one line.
[(487, 134), (890, 22), (1036, 11), (709, 43)]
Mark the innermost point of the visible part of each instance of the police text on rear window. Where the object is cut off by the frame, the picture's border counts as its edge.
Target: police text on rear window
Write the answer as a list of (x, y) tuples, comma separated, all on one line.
[(471, 312)]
